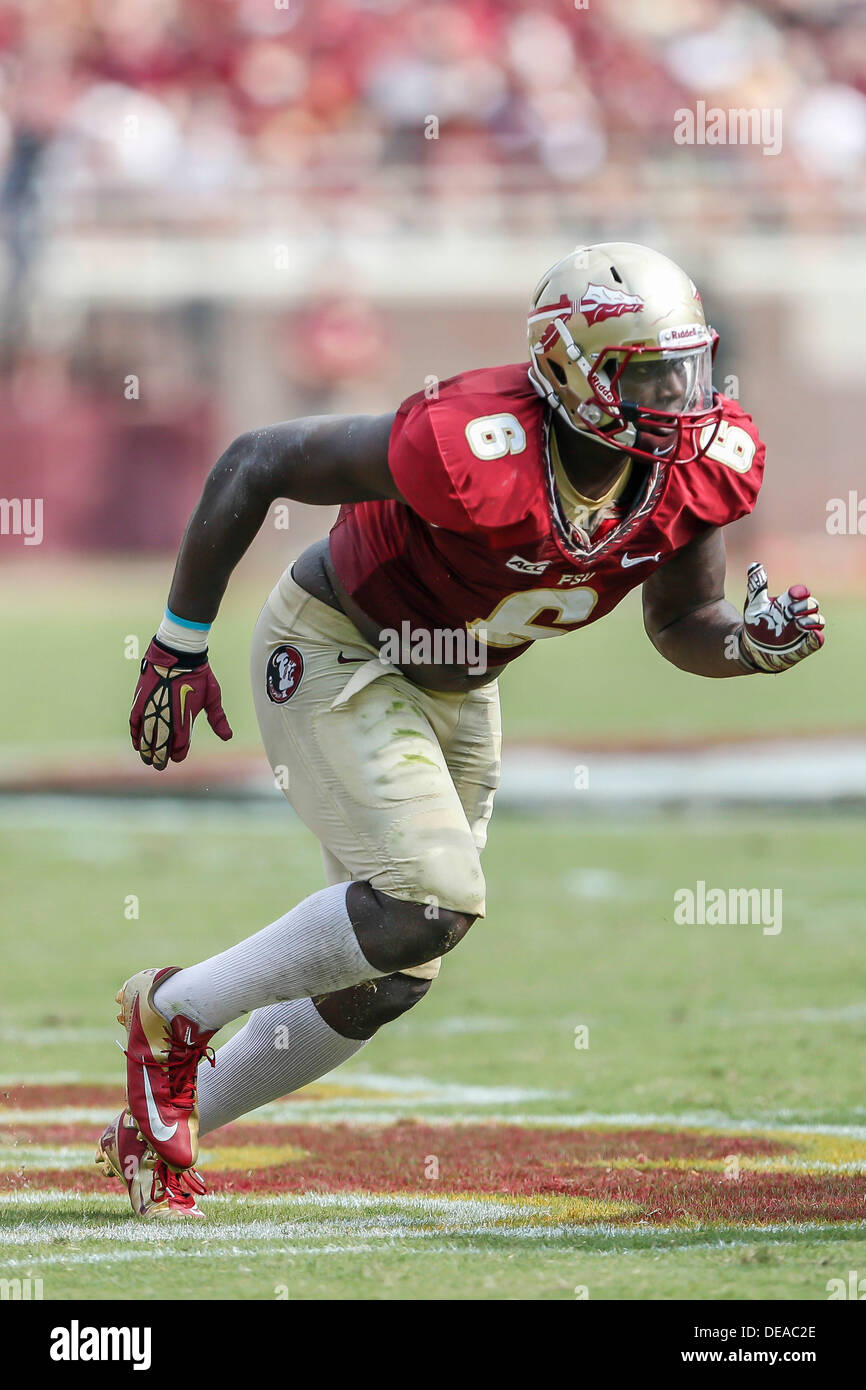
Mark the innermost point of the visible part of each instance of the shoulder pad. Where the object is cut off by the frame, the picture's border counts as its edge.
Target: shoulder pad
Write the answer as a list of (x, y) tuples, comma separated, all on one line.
[(725, 483), (468, 457)]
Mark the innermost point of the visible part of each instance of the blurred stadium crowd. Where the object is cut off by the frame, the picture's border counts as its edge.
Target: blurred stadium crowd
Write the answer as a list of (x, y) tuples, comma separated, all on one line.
[(202, 98), (204, 118)]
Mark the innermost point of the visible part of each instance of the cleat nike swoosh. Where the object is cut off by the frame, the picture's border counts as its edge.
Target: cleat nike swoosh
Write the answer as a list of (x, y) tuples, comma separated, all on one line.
[(184, 691), (161, 1132), (629, 560)]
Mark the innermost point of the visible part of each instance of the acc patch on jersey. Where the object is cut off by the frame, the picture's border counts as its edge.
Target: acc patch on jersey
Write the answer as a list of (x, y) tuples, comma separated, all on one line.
[(283, 674)]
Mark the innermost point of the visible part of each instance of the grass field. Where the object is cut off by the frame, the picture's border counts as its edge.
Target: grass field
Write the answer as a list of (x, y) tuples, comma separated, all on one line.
[(709, 1142), (72, 625)]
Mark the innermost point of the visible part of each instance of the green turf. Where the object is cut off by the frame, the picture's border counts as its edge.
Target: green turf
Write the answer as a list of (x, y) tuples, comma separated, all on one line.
[(257, 1255), (579, 930), (722, 1023), (718, 1021), (604, 683)]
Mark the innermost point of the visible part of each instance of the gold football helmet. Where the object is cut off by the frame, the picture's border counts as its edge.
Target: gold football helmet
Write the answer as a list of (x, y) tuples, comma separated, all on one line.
[(620, 348)]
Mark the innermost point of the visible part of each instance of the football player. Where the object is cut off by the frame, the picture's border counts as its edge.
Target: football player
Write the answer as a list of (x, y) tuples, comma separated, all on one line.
[(505, 507)]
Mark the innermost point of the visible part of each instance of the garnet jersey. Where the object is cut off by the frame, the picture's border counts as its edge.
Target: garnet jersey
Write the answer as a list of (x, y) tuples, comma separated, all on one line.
[(484, 544)]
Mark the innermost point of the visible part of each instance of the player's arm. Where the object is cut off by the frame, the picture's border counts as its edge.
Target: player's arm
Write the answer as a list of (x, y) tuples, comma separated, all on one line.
[(322, 459), (690, 622)]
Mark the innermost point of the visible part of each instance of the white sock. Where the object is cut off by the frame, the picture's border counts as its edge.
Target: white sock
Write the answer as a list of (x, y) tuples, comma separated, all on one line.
[(311, 950), (279, 1050)]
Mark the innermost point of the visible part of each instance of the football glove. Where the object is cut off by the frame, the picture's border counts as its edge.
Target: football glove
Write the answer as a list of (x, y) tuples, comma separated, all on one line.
[(173, 688), (778, 632)]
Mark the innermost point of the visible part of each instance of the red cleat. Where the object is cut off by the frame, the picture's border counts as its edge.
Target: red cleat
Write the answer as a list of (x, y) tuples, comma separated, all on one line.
[(162, 1061), (154, 1190)]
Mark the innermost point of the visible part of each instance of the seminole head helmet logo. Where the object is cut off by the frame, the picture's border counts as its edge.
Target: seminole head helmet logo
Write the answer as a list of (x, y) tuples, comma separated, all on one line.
[(284, 672)]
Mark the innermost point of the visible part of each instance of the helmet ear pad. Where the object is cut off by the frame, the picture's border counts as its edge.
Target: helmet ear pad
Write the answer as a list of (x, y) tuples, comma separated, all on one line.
[(558, 372)]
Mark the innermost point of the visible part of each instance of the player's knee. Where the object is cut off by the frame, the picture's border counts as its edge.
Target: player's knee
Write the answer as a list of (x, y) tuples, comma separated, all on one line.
[(438, 929), (396, 934), (451, 881), (358, 1012)]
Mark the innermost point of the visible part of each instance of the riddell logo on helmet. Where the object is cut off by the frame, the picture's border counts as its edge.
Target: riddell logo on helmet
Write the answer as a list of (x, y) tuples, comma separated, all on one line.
[(691, 334), (598, 303), (603, 392)]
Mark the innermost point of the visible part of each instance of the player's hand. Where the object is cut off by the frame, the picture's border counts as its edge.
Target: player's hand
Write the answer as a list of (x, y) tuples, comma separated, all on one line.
[(778, 632), (169, 695)]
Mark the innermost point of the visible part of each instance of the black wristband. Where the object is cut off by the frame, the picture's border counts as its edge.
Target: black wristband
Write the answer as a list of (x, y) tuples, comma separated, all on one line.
[(190, 659)]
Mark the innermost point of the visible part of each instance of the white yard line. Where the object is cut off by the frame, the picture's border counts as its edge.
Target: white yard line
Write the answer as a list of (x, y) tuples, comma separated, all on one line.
[(218, 1240)]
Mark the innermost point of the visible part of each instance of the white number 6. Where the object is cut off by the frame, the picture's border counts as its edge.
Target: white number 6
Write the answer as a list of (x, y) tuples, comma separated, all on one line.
[(732, 446), (494, 436)]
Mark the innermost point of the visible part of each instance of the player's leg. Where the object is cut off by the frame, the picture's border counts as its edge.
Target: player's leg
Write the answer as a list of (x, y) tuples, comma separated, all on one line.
[(473, 752), (284, 1047), (289, 1045), (367, 773), (352, 743)]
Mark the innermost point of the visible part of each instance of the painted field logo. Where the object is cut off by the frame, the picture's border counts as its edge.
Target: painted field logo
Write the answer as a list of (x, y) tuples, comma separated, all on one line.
[(719, 907), (737, 126), (512, 1176)]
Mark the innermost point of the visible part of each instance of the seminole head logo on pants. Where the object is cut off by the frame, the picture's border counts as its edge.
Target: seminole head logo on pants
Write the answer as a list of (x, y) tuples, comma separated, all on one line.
[(284, 672)]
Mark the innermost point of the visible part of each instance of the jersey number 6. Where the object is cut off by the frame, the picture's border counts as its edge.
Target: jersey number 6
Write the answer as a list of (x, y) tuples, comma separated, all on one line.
[(516, 619), (494, 436)]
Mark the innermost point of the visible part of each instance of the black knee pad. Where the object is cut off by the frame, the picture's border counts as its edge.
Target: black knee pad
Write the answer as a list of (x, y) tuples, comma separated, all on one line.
[(397, 935), (359, 1011)]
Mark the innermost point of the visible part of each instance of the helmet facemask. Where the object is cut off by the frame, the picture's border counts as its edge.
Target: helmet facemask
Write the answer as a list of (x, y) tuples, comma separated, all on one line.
[(667, 395), (653, 403)]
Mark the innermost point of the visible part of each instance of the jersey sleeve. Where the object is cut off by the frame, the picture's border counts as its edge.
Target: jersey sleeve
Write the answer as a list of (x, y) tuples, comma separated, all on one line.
[(732, 470), (449, 480), (419, 469)]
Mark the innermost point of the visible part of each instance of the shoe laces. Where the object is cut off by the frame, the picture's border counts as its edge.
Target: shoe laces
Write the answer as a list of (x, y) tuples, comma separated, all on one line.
[(181, 1188), (183, 1061)]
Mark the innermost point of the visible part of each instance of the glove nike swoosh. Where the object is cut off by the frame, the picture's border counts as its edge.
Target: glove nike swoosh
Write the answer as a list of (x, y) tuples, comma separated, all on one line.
[(184, 691)]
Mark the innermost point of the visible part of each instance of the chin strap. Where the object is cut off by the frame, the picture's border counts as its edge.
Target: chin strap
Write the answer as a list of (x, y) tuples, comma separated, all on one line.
[(625, 437)]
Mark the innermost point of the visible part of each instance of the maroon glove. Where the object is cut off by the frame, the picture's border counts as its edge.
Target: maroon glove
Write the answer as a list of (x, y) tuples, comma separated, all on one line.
[(778, 632), (172, 689)]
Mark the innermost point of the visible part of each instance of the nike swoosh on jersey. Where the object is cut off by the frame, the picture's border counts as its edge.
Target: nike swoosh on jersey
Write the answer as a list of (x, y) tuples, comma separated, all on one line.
[(347, 660), (160, 1131), (628, 560)]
